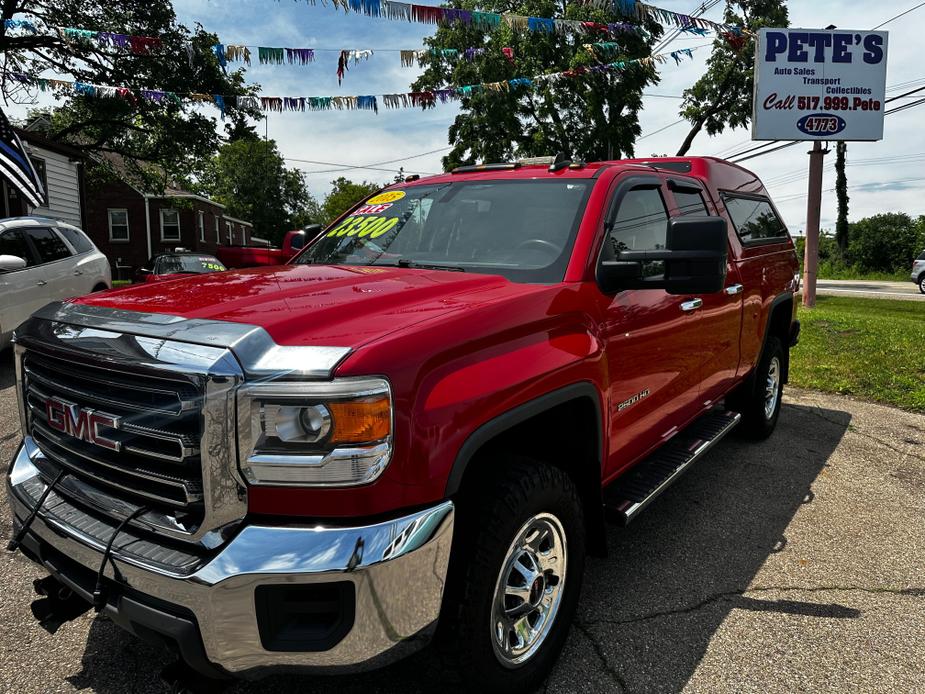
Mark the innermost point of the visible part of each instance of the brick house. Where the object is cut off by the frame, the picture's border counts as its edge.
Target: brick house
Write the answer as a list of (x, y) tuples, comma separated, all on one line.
[(131, 226)]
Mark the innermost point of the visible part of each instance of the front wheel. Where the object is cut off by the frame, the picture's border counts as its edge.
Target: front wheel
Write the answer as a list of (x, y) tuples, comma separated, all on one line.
[(517, 565)]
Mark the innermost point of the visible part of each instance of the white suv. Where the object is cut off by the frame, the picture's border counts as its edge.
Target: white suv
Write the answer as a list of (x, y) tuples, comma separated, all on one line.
[(918, 272), (43, 260)]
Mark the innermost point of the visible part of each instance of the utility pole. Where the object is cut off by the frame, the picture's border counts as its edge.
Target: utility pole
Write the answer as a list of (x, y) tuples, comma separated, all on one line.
[(813, 203)]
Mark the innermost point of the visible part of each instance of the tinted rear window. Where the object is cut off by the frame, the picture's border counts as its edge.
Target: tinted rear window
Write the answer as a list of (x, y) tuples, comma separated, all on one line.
[(76, 238), (48, 244), (754, 219), (922, 257)]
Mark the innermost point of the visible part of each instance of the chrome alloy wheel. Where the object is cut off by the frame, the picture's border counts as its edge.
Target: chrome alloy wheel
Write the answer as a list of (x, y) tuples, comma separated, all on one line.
[(772, 389), (528, 591)]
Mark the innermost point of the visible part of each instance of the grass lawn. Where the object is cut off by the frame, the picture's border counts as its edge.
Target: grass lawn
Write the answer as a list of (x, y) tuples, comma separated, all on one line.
[(870, 348)]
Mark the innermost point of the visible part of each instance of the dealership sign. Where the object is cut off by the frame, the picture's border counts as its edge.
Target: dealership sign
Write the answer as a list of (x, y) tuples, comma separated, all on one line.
[(819, 85)]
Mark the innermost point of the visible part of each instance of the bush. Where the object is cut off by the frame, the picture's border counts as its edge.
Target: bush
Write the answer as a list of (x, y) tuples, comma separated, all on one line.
[(880, 247), (885, 242)]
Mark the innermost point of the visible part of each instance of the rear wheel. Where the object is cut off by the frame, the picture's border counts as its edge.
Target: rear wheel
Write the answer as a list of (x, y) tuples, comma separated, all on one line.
[(515, 578), (922, 284), (760, 404)]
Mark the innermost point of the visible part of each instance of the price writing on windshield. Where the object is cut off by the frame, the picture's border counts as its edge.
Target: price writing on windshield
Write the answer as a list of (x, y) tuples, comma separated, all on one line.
[(363, 227)]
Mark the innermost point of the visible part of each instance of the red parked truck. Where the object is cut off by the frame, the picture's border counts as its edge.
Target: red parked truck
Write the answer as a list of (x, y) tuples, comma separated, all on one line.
[(415, 429), (256, 256)]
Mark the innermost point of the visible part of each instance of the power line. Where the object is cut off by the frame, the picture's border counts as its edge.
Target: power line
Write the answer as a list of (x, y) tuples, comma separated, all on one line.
[(375, 166), (791, 144), (902, 14), (674, 34), (656, 132)]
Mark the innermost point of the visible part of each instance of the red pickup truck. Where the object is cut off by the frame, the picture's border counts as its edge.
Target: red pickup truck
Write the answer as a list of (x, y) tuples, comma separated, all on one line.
[(255, 256), (416, 429)]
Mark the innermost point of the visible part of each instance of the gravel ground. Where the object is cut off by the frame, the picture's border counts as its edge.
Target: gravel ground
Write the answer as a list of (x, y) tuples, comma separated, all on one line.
[(794, 565)]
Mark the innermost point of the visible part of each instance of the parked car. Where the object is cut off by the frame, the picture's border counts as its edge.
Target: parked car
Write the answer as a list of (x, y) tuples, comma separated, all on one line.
[(44, 260), (918, 272), (255, 256), (168, 266), (416, 429)]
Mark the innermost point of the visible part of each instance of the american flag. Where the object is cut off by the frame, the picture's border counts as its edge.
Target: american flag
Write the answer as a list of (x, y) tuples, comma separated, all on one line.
[(16, 167)]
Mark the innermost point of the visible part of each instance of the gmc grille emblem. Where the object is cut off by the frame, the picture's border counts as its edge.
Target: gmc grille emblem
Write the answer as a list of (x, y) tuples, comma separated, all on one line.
[(81, 422)]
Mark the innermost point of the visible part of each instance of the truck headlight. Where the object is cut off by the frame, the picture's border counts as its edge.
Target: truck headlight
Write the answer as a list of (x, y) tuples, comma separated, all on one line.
[(331, 434)]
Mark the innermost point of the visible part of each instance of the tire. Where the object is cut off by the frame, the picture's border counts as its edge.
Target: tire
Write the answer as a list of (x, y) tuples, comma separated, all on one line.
[(922, 284), (99, 288), (532, 503), (760, 405)]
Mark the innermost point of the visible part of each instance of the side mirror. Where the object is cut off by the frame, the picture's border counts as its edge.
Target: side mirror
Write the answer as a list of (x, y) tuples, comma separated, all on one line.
[(694, 262), (11, 262)]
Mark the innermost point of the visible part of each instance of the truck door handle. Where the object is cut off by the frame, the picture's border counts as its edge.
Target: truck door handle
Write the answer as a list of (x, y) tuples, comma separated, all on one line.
[(734, 289), (41, 283), (692, 305)]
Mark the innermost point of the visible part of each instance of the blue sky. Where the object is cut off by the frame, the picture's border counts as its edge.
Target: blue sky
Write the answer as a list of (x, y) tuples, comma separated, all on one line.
[(879, 181)]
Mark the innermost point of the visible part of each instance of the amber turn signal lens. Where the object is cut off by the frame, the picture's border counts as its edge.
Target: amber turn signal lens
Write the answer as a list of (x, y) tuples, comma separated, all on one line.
[(360, 421)]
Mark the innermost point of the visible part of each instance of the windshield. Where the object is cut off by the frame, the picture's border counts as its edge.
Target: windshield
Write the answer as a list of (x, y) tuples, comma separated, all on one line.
[(522, 230), (192, 264)]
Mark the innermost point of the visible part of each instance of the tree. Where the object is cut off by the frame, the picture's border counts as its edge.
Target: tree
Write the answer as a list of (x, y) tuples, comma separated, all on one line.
[(591, 116), (249, 176), (841, 192), (723, 96), (168, 132), (344, 195), (885, 242)]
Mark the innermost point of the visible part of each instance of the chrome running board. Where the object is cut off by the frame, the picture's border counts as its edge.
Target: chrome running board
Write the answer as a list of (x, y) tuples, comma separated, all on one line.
[(630, 494)]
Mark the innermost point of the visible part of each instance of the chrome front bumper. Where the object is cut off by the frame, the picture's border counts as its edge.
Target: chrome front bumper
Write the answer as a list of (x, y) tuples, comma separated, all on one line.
[(398, 568)]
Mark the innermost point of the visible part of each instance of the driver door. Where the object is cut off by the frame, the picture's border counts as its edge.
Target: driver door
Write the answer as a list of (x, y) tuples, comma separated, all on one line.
[(651, 338)]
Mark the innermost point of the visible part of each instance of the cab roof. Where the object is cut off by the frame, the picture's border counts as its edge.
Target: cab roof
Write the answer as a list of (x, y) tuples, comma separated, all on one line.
[(723, 173)]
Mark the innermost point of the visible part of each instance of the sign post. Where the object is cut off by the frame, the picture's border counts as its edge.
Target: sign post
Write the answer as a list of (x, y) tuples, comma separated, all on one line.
[(818, 85)]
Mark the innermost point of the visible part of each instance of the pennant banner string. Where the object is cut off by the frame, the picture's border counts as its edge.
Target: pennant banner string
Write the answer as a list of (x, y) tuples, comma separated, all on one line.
[(368, 102), (426, 14)]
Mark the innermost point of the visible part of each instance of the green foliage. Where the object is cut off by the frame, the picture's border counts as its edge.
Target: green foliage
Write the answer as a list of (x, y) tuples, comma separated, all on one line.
[(885, 242), (249, 176), (881, 247), (593, 116), (723, 96), (870, 348), (841, 192), (344, 195), (173, 135)]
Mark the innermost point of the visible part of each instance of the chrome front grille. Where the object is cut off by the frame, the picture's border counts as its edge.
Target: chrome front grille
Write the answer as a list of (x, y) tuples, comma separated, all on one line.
[(158, 463)]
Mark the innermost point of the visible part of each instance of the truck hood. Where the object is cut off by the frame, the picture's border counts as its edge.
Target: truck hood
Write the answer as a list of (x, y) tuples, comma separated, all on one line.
[(338, 306)]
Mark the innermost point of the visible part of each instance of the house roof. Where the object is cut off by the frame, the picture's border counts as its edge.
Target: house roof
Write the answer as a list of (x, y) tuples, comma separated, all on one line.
[(125, 172), (37, 139)]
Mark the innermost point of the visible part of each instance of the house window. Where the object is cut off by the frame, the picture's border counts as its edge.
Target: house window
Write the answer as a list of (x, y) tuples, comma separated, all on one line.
[(118, 224), (218, 234), (170, 225), (39, 165), (202, 226), (230, 232)]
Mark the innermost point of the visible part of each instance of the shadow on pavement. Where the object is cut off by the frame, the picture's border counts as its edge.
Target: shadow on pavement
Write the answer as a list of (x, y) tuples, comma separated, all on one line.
[(648, 611)]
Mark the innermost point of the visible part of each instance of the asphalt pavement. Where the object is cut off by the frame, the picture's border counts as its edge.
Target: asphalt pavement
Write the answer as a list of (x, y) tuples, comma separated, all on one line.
[(870, 289), (793, 565)]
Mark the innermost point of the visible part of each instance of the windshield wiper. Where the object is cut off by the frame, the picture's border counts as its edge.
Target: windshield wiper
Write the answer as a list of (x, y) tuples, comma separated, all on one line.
[(408, 263)]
